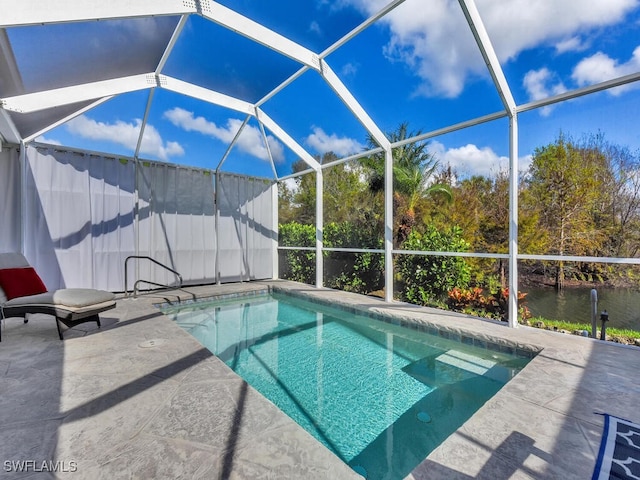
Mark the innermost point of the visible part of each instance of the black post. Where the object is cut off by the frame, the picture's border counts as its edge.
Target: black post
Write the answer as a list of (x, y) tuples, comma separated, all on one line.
[(604, 316)]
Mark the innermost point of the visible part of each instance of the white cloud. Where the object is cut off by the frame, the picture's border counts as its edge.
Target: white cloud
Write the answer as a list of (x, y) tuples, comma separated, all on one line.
[(187, 121), (541, 84), (597, 68), (537, 84), (349, 69), (125, 134), (437, 45), (145, 28), (600, 67), (50, 141), (571, 44), (291, 184), (524, 163), (314, 27), (323, 143), (471, 160), (250, 140)]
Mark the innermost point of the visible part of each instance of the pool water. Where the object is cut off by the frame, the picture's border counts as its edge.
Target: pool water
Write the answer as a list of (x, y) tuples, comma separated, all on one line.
[(380, 396)]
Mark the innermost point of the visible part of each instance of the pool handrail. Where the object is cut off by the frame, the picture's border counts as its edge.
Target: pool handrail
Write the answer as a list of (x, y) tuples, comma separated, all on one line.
[(137, 282)]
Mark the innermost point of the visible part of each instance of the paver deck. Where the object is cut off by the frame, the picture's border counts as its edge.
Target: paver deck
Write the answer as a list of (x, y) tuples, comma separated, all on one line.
[(140, 398)]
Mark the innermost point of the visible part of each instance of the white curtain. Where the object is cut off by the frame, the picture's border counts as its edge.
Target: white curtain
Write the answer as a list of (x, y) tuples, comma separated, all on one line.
[(10, 200), (177, 223), (84, 214), (112, 190), (79, 218), (245, 228)]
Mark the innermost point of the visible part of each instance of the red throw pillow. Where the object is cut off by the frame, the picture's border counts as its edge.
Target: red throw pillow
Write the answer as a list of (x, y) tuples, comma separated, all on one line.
[(20, 282)]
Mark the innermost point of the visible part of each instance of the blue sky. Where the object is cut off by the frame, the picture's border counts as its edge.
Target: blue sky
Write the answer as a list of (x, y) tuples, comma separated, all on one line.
[(418, 65)]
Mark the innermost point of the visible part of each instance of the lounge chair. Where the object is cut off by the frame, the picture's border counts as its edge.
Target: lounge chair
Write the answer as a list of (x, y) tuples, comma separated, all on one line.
[(22, 292)]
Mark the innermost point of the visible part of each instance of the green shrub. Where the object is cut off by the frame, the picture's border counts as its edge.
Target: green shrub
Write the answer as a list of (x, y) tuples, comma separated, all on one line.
[(426, 280), (298, 265), (353, 272)]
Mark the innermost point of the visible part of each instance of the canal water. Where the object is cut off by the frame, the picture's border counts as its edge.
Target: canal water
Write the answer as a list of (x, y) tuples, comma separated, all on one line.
[(574, 305)]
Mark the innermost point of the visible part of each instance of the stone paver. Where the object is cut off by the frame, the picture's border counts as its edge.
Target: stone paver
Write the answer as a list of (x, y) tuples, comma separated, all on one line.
[(140, 398)]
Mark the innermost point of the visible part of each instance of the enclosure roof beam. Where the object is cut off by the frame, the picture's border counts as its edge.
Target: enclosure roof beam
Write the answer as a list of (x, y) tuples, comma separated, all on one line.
[(8, 65), (352, 104), (258, 33), (282, 86), (33, 102), (287, 140), (172, 43), (356, 31), (163, 60), (145, 119), (8, 131), (488, 53), (34, 12), (579, 92), (204, 94), (363, 26), (233, 142), (265, 139), (37, 12), (56, 124), (105, 90)]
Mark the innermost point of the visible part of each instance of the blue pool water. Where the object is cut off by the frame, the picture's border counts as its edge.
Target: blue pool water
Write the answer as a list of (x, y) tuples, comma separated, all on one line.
[(380, 396)]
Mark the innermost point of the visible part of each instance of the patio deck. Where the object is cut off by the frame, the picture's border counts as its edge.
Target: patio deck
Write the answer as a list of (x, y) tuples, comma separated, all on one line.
[(140, 398)]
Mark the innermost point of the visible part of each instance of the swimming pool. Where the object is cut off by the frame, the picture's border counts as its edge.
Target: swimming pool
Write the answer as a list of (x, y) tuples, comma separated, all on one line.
[(379, 395)]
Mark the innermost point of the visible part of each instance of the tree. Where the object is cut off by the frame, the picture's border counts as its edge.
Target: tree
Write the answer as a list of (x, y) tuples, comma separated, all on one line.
[(414, 183), (345, 195), (351, 219), (565, 184), (304, 194), (286, 210), (480, 207), (623, 192), (413, 174)]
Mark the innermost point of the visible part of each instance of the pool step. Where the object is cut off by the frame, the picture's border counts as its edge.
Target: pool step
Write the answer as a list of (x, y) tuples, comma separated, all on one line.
[(452, 366)]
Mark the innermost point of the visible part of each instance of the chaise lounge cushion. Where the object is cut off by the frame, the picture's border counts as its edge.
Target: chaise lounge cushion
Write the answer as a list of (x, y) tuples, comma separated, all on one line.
[(69, 306), (68, 302), (20, 282)]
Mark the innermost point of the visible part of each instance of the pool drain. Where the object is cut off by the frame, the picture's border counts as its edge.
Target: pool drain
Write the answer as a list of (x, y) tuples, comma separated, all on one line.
[(152, 343), (360, 470), (424, 417)]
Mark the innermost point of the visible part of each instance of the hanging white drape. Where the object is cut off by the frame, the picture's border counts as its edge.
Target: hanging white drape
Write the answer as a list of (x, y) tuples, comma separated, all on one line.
[(245, 229), (85, 213), (79, 218), (176, 223), (10, 200), (112, 190)]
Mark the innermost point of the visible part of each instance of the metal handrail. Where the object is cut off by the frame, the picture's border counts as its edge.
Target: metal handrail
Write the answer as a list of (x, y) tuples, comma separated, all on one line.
[(135, 285)]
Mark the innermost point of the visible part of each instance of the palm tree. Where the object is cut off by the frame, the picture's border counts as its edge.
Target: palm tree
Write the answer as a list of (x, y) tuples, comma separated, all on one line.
[(413, 172), (414, 182)]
